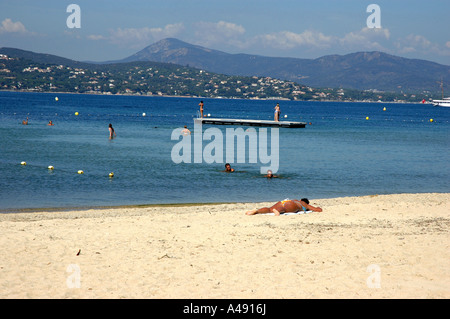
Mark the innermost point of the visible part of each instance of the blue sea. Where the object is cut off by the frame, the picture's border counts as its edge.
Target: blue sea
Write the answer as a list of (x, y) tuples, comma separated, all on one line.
[(398, 150)]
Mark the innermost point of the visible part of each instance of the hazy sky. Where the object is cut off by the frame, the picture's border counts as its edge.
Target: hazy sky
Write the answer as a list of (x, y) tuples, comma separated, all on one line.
[(113, 29)]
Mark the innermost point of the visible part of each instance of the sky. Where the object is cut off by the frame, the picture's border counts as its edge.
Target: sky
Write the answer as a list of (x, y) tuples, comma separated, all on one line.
[(111, 29)]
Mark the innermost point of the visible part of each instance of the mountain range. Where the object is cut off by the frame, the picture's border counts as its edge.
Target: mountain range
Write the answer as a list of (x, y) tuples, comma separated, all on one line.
[(361, 71)]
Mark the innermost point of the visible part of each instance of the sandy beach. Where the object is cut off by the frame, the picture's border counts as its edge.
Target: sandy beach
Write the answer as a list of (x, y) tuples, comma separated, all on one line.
[(380, 246)]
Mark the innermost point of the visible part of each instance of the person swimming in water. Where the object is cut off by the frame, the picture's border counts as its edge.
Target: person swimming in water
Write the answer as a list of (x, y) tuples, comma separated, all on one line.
[(228, 168), (286, 206), (270, 174)]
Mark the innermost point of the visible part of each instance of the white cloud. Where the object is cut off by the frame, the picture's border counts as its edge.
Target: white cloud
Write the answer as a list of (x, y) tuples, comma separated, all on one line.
[(210, 33), (228, 36), (144, 35), (414, 43), (418, 40), (228, 29), (8, 26), (366, 39), (418, 44), (137, 37), (289, 40), (96, 37)]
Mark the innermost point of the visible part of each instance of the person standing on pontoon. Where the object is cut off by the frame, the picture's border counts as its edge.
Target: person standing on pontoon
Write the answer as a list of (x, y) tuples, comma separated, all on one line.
[(201, 109), (277, 113)]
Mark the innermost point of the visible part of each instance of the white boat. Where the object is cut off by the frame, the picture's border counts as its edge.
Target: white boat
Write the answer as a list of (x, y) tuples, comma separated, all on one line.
[(444, 102)]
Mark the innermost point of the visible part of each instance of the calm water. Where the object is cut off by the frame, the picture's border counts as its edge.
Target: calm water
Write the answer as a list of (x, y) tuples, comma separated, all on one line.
[(340, 154)]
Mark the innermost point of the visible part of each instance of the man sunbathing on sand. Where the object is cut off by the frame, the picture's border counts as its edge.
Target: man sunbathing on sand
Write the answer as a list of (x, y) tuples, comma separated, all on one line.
[(286, 206)]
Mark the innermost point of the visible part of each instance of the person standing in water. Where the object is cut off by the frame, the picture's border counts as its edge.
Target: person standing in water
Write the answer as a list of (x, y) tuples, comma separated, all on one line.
[(112, 133), (201, 109), (186, 131)]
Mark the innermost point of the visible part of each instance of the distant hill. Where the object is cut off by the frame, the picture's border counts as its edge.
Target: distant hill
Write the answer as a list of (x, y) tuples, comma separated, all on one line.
[(27, 71), (173, 67), (42, 57), (361, 70)]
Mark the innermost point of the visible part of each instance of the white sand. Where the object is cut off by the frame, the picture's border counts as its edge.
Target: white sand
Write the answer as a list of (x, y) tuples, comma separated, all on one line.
[(399, 243)]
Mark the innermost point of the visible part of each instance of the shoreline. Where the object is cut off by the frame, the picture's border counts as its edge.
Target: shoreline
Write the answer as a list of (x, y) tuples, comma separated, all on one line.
[(31, 210), (217, 97), (379, 246)]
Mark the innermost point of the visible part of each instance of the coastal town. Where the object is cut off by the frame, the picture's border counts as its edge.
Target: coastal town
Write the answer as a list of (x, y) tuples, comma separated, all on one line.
[(166, 79)]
